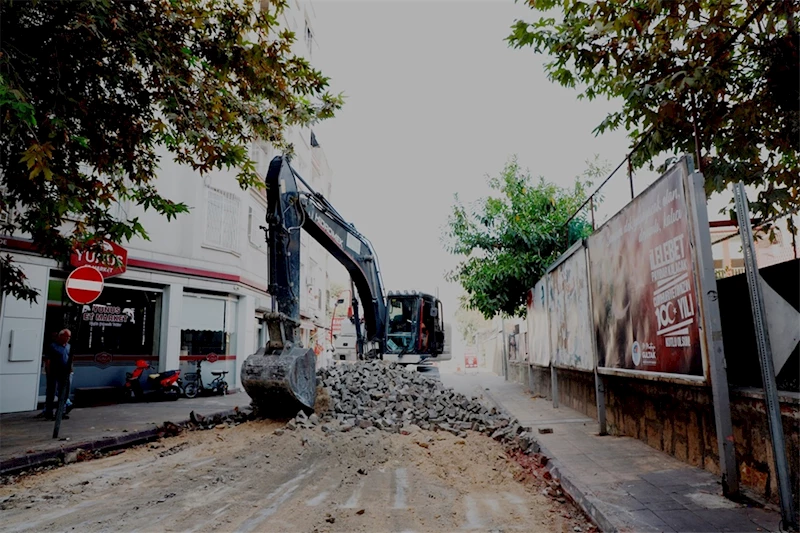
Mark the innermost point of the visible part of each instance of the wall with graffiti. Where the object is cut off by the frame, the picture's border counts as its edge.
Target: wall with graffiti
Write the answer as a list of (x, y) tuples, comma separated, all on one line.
[(569, 312)]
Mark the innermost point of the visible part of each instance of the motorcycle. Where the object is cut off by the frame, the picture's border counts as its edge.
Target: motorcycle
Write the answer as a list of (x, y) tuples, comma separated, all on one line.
[(162, 385)]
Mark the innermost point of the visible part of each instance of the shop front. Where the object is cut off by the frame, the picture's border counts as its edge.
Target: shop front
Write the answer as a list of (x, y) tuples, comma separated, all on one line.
[(168, 315), (109, 335), (208, 326)]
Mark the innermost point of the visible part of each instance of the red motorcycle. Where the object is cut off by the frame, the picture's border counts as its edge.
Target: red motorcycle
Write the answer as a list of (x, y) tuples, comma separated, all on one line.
[(161, 385)]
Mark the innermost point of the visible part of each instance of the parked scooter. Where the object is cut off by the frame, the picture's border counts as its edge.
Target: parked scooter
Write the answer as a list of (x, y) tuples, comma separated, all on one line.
[(162, 385), (194, 385)]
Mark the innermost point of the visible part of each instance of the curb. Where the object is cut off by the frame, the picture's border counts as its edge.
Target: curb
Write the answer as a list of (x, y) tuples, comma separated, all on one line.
[(570, 489), (20, 463)]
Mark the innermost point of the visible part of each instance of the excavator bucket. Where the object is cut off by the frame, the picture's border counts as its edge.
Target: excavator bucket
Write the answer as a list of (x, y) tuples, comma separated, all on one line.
[(281, 385)]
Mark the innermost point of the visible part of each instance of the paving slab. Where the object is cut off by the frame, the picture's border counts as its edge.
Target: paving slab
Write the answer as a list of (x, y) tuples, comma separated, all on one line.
[(621, 482)]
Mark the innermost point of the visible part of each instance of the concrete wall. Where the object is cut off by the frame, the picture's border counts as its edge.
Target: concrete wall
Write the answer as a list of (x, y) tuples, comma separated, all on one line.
[(679, 420)]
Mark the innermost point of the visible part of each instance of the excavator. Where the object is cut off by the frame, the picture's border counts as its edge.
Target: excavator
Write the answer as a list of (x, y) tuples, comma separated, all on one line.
[(406, 327)]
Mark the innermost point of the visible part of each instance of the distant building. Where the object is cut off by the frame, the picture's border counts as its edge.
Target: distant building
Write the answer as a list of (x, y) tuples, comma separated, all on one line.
[(727, 247)]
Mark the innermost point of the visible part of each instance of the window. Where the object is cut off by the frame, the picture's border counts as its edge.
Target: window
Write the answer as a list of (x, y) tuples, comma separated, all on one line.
[(7, 214), (206, 325), (261, 155), (121, 321), (222, 215), (256, 217), (401, 322)]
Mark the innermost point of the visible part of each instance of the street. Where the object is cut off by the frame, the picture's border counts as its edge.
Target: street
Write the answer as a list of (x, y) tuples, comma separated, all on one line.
[(251, 477)]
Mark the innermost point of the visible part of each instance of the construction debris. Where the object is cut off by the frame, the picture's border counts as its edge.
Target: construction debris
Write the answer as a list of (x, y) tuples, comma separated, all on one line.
[(385, 396)]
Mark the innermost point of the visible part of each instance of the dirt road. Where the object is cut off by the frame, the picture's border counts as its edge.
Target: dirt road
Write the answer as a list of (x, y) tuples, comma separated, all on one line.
[(248, 478)]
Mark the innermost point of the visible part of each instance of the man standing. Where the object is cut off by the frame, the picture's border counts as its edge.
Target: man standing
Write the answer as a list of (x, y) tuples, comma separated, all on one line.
[(56, 366)]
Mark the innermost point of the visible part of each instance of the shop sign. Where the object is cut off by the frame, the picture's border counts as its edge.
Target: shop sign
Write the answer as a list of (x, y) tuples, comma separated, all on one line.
[(212, 357), (107, 315), (109, 266), (103, 359), (84, 285)]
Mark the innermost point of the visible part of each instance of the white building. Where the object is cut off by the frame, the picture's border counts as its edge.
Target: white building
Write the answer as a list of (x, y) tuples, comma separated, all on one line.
[(198, 287)]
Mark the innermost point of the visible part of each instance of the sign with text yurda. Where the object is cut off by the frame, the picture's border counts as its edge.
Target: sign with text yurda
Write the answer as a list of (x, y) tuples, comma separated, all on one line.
[(113, 263), (644, 298)]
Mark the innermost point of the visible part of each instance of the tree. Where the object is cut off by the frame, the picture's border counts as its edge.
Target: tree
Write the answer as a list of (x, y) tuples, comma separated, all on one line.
[(718, 78), (335, 289), (508, 241), (469, 321), (90, 89)]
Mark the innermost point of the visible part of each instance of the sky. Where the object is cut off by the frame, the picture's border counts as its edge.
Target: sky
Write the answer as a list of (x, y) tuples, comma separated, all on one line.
[(435, 101)]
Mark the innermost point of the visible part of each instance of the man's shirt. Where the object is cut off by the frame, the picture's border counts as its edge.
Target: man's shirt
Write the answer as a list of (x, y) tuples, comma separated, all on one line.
[(58, 356)]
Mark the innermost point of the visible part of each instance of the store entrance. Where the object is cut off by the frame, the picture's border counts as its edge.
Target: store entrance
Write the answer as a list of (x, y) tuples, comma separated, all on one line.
[(108, 336)]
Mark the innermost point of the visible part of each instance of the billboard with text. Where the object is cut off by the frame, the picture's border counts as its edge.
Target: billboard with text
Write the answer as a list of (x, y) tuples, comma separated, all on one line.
[(643, 283)]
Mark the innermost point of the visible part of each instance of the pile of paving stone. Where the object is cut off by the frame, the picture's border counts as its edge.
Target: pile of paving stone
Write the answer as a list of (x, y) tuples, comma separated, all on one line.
[(386, 396)]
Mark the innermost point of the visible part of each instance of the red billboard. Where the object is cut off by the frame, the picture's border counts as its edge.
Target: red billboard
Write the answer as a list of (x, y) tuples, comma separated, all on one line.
[(644, 295), (113, 263)]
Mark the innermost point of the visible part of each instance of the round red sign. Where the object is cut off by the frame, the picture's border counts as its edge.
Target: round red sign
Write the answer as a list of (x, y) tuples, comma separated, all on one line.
[(84, 285), (212, 358)]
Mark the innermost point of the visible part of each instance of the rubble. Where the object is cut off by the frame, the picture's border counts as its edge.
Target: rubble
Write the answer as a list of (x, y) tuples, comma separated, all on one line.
[(374, 395)]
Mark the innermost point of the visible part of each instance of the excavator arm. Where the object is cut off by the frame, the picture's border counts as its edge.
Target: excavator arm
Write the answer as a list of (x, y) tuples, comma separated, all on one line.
[(291, 209), (282, 373)]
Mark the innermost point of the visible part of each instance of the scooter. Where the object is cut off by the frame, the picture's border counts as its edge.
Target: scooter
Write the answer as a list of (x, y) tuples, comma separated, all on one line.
[(163, 385)]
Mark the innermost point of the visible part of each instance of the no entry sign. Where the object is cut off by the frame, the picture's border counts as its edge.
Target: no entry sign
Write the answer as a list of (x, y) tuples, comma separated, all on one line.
[(84, 285)]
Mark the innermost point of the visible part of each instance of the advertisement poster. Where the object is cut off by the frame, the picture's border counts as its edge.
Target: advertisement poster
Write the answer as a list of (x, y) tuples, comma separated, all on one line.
[(570, 316), (107, 315), (643, 284), (538, 333)]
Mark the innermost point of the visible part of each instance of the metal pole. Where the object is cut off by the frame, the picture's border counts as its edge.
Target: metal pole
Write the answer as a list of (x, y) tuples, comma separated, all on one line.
[(505, 348), (765, 355), (696, 134), (712, 333), (599, 384), (476, 354), (630, 176)]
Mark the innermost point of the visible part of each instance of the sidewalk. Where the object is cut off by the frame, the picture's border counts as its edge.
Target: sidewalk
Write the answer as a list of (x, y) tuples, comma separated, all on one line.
[(621, 482), (26, 440)]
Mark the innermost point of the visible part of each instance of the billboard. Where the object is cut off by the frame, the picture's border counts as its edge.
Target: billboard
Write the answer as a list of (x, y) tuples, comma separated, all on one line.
[(569, 313), (644, 297), (538, 333)]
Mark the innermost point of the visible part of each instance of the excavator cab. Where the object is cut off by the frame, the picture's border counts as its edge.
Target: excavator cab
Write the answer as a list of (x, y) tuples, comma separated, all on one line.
[(414, 328)]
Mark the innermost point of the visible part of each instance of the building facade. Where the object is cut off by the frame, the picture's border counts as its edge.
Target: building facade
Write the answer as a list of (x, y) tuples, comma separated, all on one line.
[(197, 290)]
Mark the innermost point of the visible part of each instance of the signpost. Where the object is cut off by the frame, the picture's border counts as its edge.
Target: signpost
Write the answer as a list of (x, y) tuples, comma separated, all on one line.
[(765, 355), (84, 285)]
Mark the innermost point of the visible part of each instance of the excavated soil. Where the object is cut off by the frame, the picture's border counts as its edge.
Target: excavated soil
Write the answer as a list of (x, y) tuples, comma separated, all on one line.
[(250, 478)]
